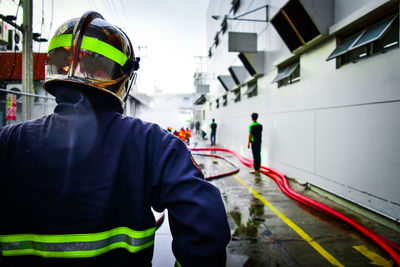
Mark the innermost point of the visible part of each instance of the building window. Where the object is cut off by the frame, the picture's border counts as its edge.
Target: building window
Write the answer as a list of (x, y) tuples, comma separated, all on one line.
[(376, 38), (224, 24), (251, 89), (294, 24), (237, 94), (224, 100), (235, 5), (216, 39), (217, 103), (288, 74)]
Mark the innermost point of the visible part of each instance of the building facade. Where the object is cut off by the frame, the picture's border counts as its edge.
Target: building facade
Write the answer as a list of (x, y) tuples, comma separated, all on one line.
[(323, 77)]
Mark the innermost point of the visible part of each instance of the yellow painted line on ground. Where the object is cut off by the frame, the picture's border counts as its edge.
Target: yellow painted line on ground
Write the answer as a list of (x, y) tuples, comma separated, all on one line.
[(292, 225), (375, 258)]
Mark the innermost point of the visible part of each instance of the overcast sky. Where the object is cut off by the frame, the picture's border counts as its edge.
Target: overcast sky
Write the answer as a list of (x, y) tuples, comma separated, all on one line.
[(167, 34)]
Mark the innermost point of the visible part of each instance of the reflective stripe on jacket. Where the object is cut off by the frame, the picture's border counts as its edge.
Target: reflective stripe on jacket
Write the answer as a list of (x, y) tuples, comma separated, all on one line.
[(76, 245)]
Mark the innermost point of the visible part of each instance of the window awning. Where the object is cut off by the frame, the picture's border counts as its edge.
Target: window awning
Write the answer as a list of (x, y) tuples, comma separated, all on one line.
[(361, 38), (286, 72), (250, 88), (201, 100), (373, 33), (253, 62), (239, 74), (344, 46), (226, 82)]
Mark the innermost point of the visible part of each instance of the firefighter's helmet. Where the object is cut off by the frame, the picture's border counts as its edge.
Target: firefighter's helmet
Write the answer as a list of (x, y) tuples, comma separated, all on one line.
[(93, 52)]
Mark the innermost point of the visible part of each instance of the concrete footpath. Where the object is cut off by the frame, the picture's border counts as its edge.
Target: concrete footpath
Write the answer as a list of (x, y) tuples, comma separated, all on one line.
[(270, 229)]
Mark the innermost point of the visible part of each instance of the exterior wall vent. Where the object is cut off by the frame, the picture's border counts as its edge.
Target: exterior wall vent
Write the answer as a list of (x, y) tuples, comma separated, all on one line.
[(202, 88), (253, 62), (235, 5), (239, 74), (226, 82), (301, 21), (224, 24), (242, 42)]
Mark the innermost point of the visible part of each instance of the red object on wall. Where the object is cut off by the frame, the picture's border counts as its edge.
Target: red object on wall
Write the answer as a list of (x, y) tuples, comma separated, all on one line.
[(12, 107), (7, 72)]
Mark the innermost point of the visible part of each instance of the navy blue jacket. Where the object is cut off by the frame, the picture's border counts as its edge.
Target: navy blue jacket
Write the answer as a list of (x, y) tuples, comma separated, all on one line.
[(88, 169)]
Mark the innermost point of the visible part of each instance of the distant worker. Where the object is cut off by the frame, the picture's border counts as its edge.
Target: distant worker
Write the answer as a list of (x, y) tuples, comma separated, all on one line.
[(197, 127), (188, 134), (255, 133), (80, 184), (175, 133), (181, 134), (213, 127), (169, 129)]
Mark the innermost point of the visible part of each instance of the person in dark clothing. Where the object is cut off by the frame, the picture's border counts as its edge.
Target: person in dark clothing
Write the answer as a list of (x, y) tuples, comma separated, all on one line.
[(213, 127), (81, 182), (255, 134)]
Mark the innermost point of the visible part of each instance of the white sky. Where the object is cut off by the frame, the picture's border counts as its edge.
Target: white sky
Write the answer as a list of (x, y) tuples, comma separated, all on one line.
[(170, 33)]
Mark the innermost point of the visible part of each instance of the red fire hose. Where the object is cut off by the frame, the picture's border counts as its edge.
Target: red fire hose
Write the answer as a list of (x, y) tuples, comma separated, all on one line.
[(281, 181), (236, 170)]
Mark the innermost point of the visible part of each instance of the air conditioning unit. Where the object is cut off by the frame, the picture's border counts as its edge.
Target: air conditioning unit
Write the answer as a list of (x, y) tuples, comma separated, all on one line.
[(14, 40), (15, 87), (4, 27)]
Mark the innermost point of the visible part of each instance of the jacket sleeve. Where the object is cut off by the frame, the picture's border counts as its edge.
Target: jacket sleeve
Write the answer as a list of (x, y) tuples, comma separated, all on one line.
[(197, 215)]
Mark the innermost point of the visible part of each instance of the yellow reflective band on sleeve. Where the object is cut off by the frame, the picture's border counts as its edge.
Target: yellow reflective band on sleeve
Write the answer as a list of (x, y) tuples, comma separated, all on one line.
[(76, 245), (90, 44)]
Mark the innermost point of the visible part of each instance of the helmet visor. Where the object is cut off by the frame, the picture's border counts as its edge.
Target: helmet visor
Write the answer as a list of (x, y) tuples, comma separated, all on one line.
[(97, 61)]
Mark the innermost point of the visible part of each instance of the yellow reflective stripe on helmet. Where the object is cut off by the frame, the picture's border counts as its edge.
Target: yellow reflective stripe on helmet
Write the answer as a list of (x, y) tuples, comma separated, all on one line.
[(104, 49), (90, 44), (76, 245), (63, 40)]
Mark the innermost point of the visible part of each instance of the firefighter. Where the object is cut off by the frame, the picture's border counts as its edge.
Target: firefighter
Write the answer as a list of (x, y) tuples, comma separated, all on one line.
[(79, 184), (188, 134), (181, 134)]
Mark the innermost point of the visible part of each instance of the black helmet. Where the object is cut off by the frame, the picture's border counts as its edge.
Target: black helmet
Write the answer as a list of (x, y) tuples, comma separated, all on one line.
[(93, 52)]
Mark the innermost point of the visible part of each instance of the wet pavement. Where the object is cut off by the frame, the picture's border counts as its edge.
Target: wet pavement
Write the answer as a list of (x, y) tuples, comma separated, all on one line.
[(270, 229)]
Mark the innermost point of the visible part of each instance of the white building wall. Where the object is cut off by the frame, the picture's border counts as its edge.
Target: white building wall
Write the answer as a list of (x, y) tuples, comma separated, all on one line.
[(336, 128)]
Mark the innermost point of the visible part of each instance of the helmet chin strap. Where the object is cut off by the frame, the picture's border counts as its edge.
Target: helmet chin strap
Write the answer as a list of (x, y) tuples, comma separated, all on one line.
[(131, 82)]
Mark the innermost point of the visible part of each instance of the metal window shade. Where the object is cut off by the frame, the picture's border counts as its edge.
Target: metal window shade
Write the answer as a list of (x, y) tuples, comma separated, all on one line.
[(253, 62), (373, 33), (235, 5), (226, 82), (286, 72), (285, 30), (224, 24), (201, 100), (216, 40), (301, 20), (224, 100), (250, 89), (344, 46), (239, 74), (279, 76)]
